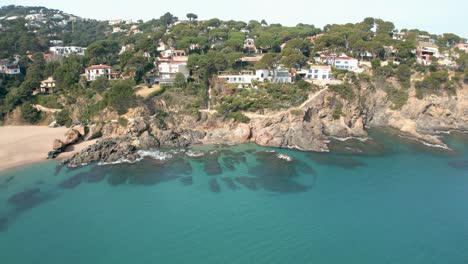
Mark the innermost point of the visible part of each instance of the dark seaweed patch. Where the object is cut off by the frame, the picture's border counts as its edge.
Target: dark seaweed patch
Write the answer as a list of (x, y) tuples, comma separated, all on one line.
[(28, 199), (72, 182), (230, 162), (248, 182), (214, 186), (96, 174), (212, 166), (9, 179), (58, 168), (341, 161), (160, 171), (230, 183), (187, 180), (3, 224), (117, 179), (459, 164), (276, 174)]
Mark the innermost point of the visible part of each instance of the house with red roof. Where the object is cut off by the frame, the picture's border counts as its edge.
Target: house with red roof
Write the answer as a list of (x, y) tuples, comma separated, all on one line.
[(95, 71)]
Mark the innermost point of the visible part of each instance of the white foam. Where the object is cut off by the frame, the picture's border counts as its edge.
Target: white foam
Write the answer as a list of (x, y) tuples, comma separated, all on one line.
[(284, 157), (195, 154), (154, 154)]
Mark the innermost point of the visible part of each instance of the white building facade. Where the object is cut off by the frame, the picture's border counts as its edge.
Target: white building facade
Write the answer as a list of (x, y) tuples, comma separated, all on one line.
[(67, 50), (96, 71)]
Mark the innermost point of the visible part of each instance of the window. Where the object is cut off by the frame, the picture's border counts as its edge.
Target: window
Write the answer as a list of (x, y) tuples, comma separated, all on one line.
[(316, 71), (324, 76), (316, 76)]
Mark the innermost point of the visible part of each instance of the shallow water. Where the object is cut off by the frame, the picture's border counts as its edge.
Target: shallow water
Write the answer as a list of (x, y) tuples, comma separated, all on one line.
[(384, 201)]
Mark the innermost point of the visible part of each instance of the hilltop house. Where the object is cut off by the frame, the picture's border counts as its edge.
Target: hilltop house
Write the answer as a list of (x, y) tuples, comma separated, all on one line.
[(67, 50), (249, 45), (343, 62), (95, 71), (462, 46), (168, 65), (246, 78), (10, 68), (319, 72), (425, 51), (47, 86)]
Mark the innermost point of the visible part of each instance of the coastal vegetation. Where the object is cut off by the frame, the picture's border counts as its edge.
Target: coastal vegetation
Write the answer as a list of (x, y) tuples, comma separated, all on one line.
[(213, 46)]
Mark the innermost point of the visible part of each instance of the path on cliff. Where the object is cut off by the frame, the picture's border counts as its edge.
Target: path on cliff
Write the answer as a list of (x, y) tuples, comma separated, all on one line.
[(45, 109), (276, 114)]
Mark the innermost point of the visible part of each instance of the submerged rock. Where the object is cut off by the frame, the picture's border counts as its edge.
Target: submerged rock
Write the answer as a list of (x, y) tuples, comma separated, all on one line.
[(248, 182), (214, 186), (28, 199), (187, 180), (230, 183), (72, 182), (459, 164), (212, 166), (3, 224)]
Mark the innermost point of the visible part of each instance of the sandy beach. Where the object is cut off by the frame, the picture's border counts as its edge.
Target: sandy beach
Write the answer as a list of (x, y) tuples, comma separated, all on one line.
[(24, 145)]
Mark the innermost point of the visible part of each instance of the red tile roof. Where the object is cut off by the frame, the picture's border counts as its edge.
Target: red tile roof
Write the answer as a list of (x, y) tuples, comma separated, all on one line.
[(98, 67)]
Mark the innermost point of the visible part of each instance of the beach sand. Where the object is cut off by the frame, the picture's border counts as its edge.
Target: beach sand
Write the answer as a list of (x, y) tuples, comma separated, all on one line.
[(24, 145)]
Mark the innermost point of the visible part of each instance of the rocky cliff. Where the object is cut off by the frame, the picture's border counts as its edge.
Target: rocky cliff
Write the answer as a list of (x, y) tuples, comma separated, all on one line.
[(306, 127)]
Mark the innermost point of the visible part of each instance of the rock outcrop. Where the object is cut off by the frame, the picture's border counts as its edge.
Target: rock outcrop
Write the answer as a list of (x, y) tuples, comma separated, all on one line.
[(307, 127)]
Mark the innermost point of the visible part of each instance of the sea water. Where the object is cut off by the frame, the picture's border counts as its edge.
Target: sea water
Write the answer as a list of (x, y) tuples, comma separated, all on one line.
[(387, 200)]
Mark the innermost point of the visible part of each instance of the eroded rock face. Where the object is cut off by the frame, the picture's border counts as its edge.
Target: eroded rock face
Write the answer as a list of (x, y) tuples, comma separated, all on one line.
[(71, 137), (106, 150), (95, 131)]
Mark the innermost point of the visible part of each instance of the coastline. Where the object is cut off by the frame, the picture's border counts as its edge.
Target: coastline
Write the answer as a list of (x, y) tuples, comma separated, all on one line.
[(26, 145)]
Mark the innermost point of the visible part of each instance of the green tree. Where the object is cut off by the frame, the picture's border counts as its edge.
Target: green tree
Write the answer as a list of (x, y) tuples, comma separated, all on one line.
[(30, 114), (403, 74), (192, 17), (268, 61), (63, 118), (103, 52), (293, 59), (120, 96), (100, 84), (68, 73), (179, 80)]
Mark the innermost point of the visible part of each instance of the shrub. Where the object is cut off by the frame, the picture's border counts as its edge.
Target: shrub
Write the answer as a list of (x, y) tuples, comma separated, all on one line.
[(403, 73), (30, 114), (239, 117), (297, 112), (63, 118), (121, 97), (398, 97), (123, 121), (337, 110), (344, 90)]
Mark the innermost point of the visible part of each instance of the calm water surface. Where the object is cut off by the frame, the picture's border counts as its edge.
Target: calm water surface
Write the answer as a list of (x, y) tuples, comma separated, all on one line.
[(386, 200)]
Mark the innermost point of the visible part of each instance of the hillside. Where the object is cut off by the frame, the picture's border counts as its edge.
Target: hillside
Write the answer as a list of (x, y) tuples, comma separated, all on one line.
[(271, 84)]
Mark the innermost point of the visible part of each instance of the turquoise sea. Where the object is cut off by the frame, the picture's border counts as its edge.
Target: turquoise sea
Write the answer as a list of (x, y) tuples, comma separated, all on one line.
[(387, 200)]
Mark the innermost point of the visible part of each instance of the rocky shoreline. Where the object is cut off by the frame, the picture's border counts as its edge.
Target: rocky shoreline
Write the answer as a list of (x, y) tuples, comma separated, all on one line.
[(421, 120)]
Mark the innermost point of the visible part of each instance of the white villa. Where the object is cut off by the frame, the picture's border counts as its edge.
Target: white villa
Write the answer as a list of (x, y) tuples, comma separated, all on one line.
[(319, 72), (96, 71), (248, 77), (67, 50), (344, 62), (169, 64)]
